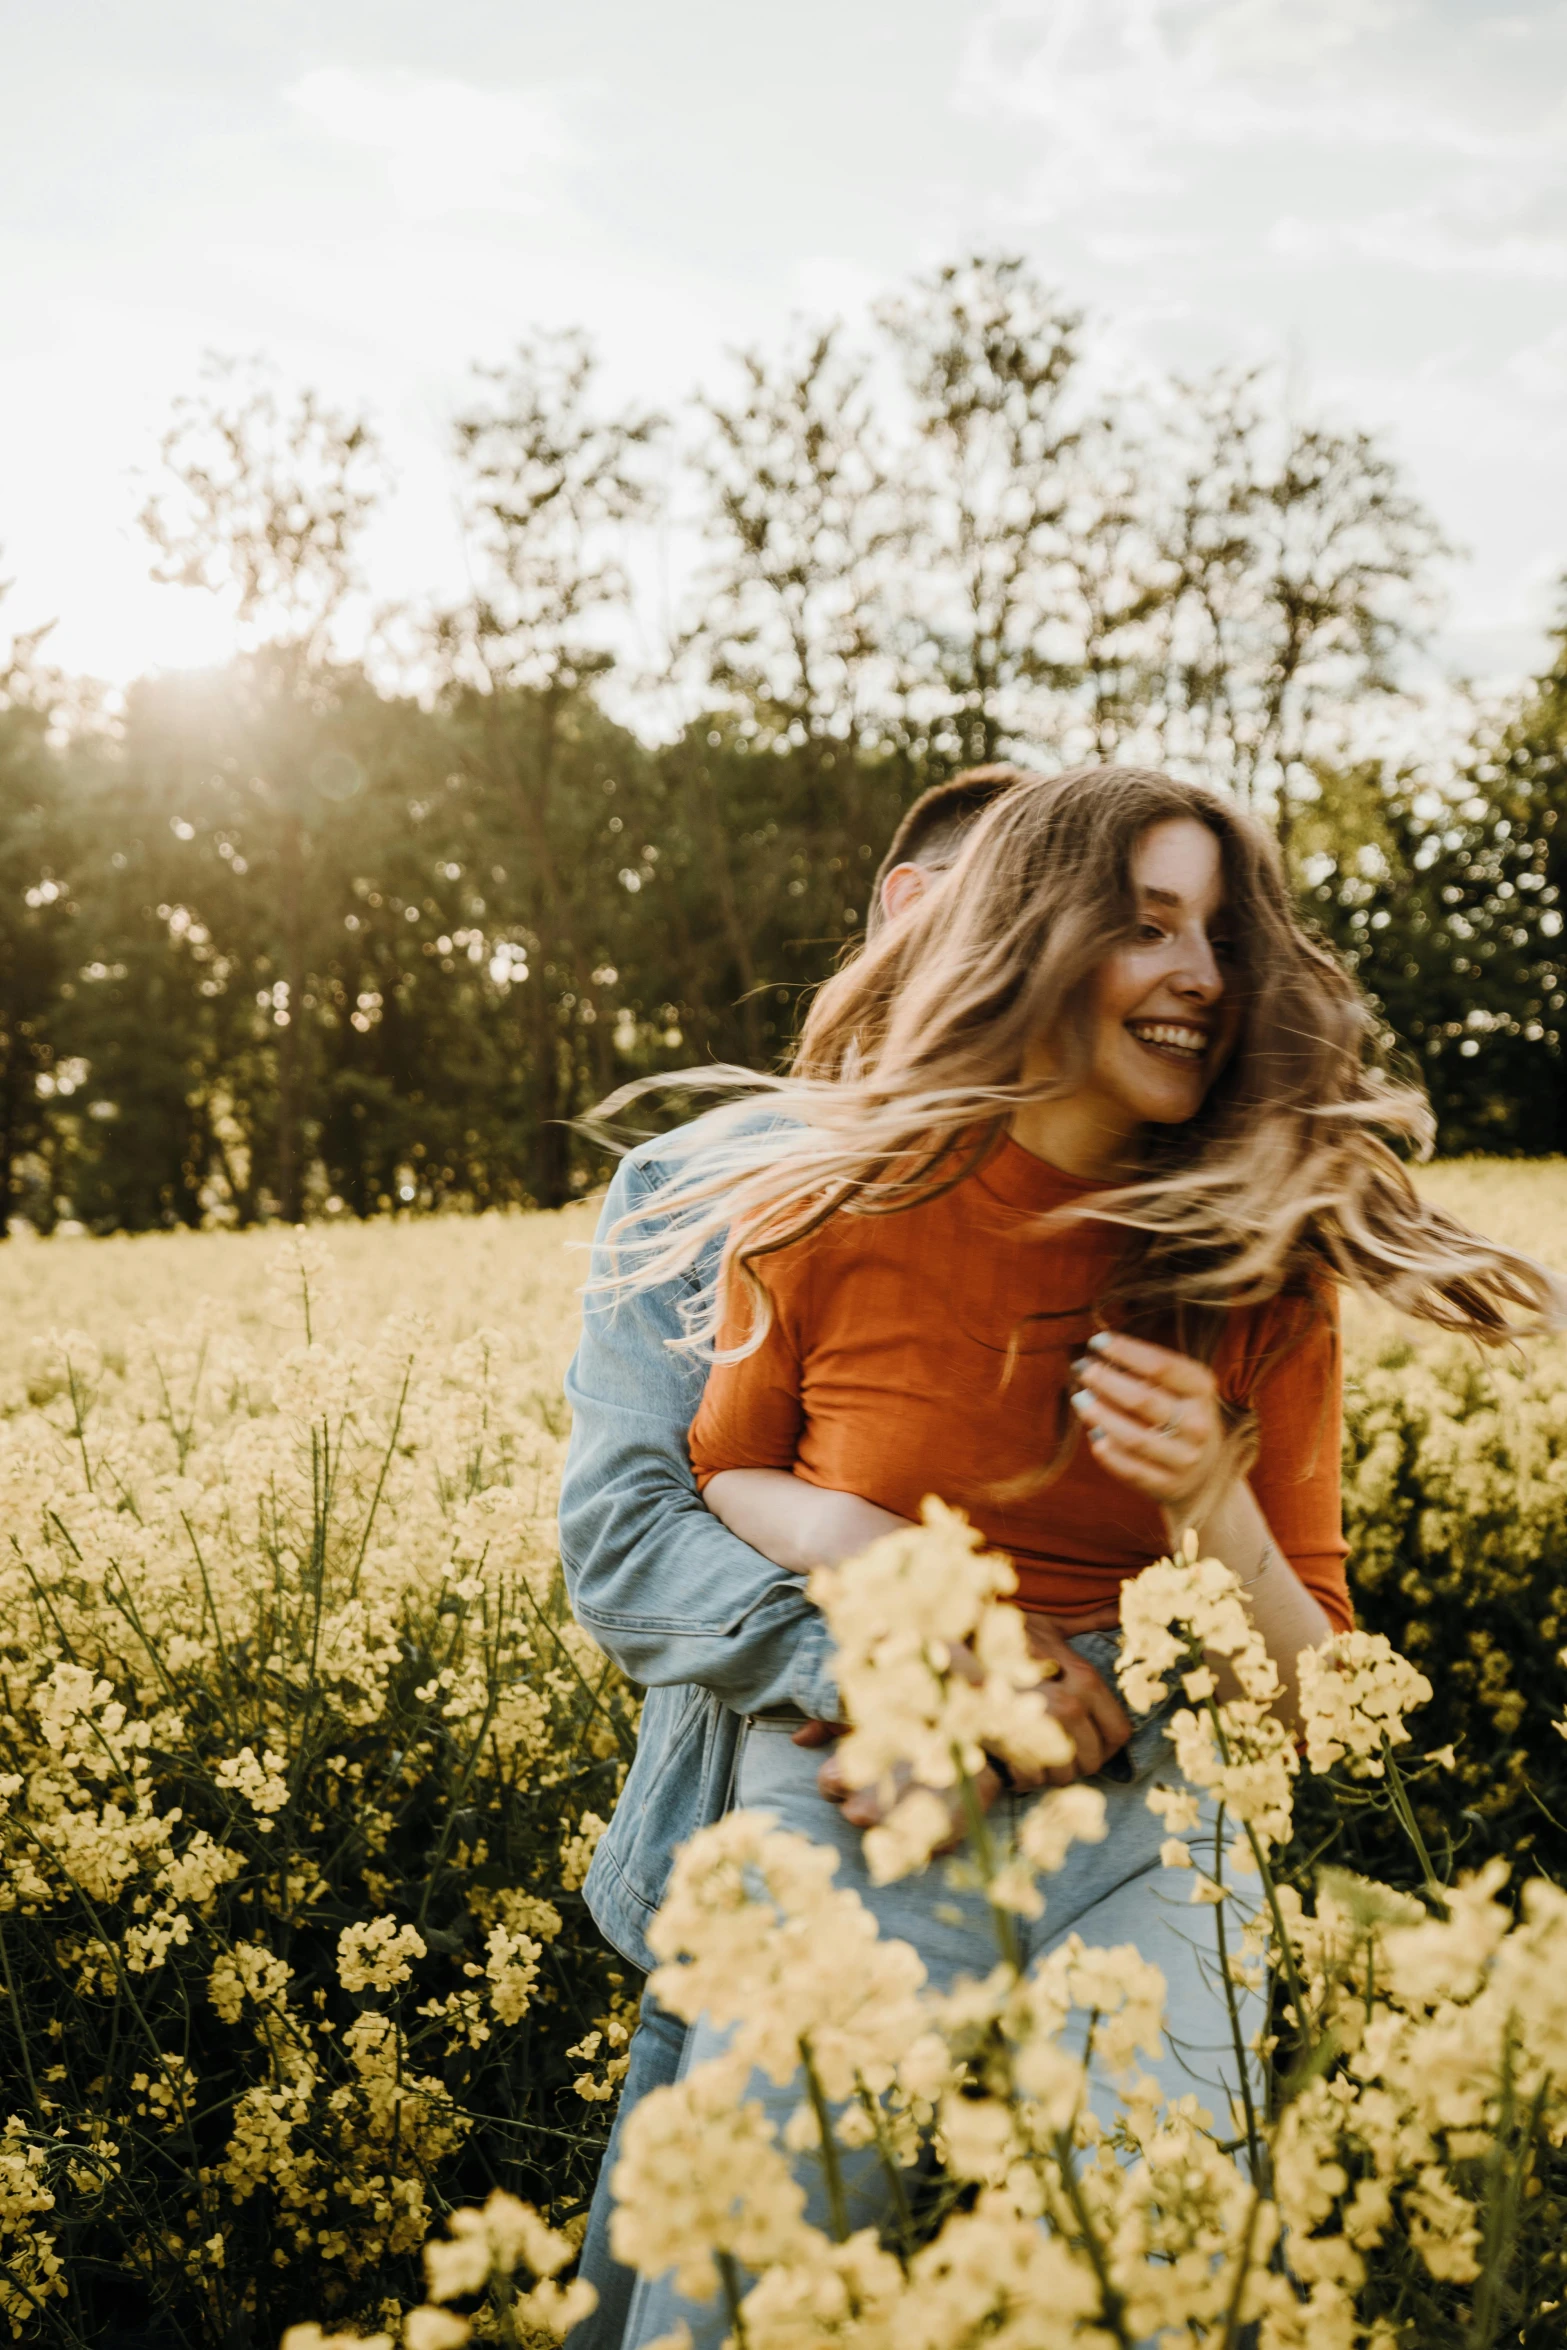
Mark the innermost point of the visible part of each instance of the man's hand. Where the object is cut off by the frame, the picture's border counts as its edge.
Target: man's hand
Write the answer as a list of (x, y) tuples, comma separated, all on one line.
[(863, 1807), (818, 1733), (1081, 1703), (1075, 1694)]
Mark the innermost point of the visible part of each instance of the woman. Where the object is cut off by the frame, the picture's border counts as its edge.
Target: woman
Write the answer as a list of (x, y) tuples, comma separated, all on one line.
[(1081, 1144)]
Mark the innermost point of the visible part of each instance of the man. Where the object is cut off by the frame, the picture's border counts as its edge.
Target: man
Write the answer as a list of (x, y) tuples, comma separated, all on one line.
[(712, 1629), (930, 836)]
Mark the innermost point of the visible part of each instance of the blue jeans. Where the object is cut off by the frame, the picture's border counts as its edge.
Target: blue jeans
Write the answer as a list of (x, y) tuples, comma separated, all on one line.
[(657, 2046), (1114, 1892)]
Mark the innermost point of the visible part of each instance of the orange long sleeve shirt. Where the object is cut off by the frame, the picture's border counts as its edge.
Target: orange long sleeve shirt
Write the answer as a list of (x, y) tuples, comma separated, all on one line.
[(886, 1373)]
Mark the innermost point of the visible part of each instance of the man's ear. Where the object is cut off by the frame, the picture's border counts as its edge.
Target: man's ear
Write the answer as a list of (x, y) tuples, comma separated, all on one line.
[(903, 887)]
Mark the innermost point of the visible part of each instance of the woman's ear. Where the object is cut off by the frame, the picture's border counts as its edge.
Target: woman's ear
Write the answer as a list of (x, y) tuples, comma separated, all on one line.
[(903, 887)]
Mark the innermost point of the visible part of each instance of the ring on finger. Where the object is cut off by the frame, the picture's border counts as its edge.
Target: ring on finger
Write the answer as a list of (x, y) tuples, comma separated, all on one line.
[(1172, 1426)]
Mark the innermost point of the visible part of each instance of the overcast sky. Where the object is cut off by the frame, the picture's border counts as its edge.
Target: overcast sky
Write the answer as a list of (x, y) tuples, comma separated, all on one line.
[(376, 192)]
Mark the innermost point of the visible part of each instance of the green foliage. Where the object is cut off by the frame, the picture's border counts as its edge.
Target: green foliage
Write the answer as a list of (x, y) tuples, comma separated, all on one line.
[(310, 935), (1450, 912), (36, 855)]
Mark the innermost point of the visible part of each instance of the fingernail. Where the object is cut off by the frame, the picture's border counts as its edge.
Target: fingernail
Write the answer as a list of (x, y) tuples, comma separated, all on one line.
[(1081, 1399), (1083, 1365), (1102, 1341)]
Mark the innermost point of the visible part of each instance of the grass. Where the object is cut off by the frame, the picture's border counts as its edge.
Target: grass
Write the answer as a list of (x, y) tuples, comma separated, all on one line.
[(517, 1272)]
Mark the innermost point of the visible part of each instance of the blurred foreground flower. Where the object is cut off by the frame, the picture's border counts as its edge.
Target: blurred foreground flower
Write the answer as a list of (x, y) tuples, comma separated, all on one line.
[(1381, 2194)]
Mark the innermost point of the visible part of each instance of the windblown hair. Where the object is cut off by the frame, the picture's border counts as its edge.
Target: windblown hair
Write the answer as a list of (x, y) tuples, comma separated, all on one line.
[(910, 1065)]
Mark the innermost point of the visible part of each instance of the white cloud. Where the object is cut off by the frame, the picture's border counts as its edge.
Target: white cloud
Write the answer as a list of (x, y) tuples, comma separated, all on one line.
[(448, 146), (830, 285), (1129, 248), (1538, 372), (1140, 99), (1417, 238), (1283, 33), (1374, 191)]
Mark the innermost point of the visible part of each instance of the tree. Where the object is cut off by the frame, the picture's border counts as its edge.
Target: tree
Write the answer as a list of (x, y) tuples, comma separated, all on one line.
[(803, 747), (988, 357), (794, 619), (1111, 591), (263, 502), (1449, 905), (1298, 577), (35, 927), (550, 484), (282, 937)]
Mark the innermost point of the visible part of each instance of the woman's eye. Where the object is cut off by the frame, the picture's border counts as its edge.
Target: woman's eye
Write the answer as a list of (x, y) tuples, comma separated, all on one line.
[(1223, 949), (1147, 932)]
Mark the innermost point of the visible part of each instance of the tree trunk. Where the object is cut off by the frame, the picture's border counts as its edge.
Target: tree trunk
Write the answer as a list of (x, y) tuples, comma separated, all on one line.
[(551, 1139), (7, 1130), (737, 936), (291, 1038)]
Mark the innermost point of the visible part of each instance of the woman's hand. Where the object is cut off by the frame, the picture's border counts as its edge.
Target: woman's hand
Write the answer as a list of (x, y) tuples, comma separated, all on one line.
[(1153, 1418)]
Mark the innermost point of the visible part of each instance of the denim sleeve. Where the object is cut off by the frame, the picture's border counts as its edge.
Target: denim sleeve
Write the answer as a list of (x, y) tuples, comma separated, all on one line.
[(662, 1585)]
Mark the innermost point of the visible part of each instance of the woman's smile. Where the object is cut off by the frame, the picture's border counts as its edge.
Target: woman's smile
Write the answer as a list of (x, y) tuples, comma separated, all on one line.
[(1181, 1041)]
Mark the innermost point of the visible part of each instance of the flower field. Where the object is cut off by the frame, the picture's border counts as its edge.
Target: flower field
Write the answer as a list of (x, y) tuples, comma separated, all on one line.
[(303, 1767), (303, 1761)]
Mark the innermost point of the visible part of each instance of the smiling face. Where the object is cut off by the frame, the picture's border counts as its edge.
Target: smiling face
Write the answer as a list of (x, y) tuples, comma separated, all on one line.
[(1165, 1013)]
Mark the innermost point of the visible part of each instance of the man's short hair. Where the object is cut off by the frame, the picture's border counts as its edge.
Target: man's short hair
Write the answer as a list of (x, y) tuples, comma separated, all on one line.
[(934, 829)]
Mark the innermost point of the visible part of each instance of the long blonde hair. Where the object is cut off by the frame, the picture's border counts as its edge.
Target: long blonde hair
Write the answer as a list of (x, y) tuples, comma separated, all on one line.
[(909, 1067)]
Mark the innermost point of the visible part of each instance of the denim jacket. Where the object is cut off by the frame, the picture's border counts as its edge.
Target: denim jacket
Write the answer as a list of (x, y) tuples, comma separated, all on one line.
[(712, 1630)]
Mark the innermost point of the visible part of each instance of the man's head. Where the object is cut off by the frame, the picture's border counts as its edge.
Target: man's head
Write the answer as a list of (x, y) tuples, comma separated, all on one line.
[(931, 835)]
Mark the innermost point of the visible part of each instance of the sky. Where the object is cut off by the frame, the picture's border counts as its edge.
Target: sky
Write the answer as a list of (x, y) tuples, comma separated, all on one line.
[(375, 194)]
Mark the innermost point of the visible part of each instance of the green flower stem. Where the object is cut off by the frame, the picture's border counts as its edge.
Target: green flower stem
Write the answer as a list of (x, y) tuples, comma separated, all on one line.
[(1111, 2300), (1405, 1814), (1269, 1887), (380, 1484), (80, 1429), (217, 1626), (729, 2278), (1232, 2316), (832, 2168), (892, 2171), (1232, 2003), (22, 2035), (1505, 2181), (984, 1848)]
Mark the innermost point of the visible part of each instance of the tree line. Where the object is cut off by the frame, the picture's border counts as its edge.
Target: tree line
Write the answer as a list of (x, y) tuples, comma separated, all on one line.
[(326, 934)]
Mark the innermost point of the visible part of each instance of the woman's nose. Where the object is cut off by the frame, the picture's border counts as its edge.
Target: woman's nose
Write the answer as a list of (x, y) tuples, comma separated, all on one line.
[(1199, 975)]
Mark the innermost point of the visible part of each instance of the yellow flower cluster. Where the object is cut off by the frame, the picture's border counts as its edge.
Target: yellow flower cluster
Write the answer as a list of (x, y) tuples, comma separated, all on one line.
[(302, 1762), (1354, 1694), (1378, 2196), (1455, 1494), (483, 2253), (933, 1674)]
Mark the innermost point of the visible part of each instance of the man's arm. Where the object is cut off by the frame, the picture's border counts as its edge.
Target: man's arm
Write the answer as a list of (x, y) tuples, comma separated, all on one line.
[(664, 1588)]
